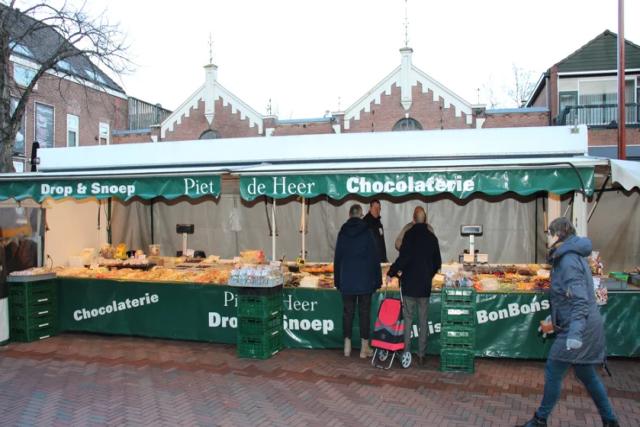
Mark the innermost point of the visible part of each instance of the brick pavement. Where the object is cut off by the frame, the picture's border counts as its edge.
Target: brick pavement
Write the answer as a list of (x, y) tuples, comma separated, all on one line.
[(78, 379)]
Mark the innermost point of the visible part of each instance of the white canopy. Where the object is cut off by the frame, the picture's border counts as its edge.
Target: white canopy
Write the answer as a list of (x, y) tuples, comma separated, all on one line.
[(405, 147), (626, 173)]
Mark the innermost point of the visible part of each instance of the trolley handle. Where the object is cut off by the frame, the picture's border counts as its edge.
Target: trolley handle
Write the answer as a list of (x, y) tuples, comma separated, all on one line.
[(386, 286)]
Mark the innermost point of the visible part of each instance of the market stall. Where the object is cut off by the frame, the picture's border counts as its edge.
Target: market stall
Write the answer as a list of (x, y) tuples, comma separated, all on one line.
[(159, 295)]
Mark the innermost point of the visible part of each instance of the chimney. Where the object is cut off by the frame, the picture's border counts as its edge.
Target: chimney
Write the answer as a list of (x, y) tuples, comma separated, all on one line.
[(211, 76), (405, 78)]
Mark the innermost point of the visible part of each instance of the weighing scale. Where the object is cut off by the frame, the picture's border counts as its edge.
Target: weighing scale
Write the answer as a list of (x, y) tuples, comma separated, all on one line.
[(471, 256), (184, 229)]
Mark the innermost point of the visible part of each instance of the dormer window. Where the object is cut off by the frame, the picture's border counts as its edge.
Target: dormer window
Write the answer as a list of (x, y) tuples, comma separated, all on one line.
[(20, 49), (65, 66)]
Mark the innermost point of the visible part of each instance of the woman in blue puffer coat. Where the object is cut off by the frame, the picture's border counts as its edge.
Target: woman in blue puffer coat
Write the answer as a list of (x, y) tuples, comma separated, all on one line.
[(580, 340)]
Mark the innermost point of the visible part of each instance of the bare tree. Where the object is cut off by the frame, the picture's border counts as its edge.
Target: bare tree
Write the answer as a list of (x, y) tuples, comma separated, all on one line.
[(56, 32), (523, 84)]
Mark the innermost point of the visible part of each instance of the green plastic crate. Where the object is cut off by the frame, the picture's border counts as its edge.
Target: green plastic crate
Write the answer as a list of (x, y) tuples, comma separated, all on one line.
[(248, 326), (458, 337), (33, 323), (458, 296), (260, 346), (29, 335), (458, 315), (261, 307), (457, 360), (35, 311), (32, 293)]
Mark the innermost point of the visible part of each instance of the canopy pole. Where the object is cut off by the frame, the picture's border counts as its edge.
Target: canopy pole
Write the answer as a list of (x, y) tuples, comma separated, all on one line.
[(109, 239), (303, 221), (153, 240), (580, 214), (554, 207), (274, 231), (598, 197)]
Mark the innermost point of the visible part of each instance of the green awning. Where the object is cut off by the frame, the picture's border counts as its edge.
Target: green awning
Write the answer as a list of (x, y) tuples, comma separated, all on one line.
[(461, 184), (124, 188)]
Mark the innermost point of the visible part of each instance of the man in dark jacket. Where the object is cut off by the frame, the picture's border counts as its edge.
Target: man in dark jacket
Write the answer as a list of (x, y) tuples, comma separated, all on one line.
[(372, 218), (580, 341), (418, 262), (357, 275)]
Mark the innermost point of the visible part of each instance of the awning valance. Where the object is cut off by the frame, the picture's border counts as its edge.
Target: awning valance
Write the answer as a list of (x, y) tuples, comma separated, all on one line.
[(124, 188), (626, 173), (461, 184)]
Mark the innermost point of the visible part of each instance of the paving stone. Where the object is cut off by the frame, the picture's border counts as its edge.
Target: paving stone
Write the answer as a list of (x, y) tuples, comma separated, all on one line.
[(83, 379)]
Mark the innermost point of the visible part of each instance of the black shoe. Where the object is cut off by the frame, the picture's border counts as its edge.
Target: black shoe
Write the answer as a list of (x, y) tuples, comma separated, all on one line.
[(610, 423), (534, 422)]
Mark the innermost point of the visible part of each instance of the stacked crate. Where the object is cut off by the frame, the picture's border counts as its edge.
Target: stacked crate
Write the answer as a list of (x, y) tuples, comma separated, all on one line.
[(33, 303), (457, 336), (259, 322)]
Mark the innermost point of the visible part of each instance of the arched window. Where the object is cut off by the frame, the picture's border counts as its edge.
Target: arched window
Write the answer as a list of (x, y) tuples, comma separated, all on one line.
[(407, 124), (210, 134)]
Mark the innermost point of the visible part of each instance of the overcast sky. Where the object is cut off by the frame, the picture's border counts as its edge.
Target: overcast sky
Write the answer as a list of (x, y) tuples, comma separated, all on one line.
[(306, 55)]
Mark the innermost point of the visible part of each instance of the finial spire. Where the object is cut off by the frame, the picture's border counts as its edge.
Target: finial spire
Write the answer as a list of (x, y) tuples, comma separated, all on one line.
[(406, 24), (210, 48)]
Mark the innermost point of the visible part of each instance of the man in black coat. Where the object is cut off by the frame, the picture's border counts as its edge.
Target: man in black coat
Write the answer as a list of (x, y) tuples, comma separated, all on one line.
[(357, 275), (418, 262), (372, 218)]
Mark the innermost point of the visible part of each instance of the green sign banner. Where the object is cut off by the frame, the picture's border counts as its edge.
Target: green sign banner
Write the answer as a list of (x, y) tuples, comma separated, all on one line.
[(169, 187), (461, 184), (506, 323)]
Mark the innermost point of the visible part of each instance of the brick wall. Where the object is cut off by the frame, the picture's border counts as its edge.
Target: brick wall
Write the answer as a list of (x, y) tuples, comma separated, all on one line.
[(303, 129), (431, 114), (92, 106), (131, 138), (225, 121), (600, 137), (516, 120)]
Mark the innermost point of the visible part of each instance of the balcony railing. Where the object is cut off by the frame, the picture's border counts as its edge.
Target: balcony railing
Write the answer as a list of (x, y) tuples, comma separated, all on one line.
[(603, 115), (142, 114)]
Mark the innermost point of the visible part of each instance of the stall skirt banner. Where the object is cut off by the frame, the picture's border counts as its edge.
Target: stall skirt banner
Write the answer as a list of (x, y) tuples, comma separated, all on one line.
[(169, 187), (461, 184), (506, 323)]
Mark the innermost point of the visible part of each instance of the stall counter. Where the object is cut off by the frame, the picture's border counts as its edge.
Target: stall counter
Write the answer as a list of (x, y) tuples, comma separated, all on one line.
[(506, 322)]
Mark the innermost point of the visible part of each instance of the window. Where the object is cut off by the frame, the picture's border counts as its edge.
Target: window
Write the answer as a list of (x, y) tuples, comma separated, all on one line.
[(18, 165), (568, 99), (407, 124), (23, 75), (44, 129), (73, 126), (103, 132), (65, 66), (210, 134), (20, 49), (18, 147)]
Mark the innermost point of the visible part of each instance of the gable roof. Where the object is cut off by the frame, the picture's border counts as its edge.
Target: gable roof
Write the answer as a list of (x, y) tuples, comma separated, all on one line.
[(416, 76), (600, 54), (37, 45)]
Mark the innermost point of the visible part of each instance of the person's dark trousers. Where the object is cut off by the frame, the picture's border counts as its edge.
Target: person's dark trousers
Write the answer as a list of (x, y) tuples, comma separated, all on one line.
[(364, 312), (554, 372)]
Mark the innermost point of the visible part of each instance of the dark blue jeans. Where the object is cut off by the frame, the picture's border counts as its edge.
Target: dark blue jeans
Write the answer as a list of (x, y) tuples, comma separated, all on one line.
[(554, 372)]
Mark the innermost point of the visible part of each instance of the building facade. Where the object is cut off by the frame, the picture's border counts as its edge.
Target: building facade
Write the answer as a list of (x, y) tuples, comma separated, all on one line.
[(72, 104), (583, 89), (406, 99)]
